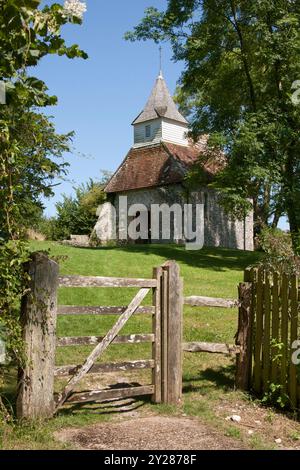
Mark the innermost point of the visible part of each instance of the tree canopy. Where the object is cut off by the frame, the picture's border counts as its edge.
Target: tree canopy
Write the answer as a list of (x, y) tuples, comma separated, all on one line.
[(239, 84), (30, 149)]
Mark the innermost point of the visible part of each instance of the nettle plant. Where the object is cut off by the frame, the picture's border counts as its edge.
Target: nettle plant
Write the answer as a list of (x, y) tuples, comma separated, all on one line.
[(30, 149)]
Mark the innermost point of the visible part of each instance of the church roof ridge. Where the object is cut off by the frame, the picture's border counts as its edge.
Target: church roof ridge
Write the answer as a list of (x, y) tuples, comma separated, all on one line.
[(160, 104), (163, 164)]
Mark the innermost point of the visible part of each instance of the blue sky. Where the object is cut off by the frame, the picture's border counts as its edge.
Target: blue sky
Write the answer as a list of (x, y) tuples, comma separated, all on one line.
[(100, 97)]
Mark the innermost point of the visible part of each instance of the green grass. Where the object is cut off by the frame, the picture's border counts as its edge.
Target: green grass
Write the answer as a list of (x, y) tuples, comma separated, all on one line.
[(209, 272)]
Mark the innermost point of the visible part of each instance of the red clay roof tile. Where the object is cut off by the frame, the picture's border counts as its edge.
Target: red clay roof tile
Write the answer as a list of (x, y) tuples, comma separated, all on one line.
[(162, 164)]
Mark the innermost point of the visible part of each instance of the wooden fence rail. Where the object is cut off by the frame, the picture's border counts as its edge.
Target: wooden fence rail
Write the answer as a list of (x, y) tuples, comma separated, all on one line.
[(101, 310), (61, 371), (90, 340), (215, 348), (96, 281), (198, 301)]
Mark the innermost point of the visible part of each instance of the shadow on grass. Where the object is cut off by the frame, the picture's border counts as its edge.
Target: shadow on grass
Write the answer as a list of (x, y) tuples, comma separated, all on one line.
[(109, 406), (222, 378), (208, 258), (103, 408)]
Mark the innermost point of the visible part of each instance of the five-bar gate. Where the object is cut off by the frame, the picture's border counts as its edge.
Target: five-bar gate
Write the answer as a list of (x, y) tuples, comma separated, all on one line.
[(39, 313)]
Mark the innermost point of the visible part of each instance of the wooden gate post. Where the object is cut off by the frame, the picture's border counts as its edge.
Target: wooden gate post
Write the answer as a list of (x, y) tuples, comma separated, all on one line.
[(171, 316), (156, 329), (38, 316), (244, 337)]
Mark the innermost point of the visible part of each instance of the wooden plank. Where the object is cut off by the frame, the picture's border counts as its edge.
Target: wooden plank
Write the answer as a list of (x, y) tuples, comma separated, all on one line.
[(61, 371), (156, 328), (97, 281), (101, 310), (284, 332), (111, 394), (250, 275), (90, 340), (164, 337), (38, 320), (257, 372), (199, 301), (266, 346), (293, 337), (244, 337), (275, 329), (175, 326), (216, 348), (101, 347)]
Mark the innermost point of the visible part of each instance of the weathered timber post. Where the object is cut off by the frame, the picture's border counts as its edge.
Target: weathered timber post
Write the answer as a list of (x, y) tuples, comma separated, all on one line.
[(156, 329), (171, 317), (244, 337), (38, 317)]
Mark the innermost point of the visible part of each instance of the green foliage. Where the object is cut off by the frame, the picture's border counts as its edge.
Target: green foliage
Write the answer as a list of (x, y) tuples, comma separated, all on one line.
[(13, 255), (28, 171), (276, 396), (278, 249), (77, 214), (28, 140), (241, 59), (30, 149), (47, 226)]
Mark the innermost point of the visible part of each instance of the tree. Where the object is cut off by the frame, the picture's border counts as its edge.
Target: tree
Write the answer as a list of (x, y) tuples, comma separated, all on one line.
[(29, 144), (30, 171), (28, 141), (241, 59), (78, 215)]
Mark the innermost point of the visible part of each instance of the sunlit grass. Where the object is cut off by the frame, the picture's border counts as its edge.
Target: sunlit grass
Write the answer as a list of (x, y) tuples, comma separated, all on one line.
[(209, 272)]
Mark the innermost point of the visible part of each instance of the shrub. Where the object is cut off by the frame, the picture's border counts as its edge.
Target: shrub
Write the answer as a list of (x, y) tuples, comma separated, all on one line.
[(48, 227), (278, 249), (78, 215)]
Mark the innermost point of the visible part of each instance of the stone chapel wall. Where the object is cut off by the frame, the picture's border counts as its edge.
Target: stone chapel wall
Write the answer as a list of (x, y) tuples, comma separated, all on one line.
[(220, 229)]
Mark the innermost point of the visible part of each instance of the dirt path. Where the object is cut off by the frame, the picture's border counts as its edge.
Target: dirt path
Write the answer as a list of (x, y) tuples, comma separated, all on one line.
[(150, 433)]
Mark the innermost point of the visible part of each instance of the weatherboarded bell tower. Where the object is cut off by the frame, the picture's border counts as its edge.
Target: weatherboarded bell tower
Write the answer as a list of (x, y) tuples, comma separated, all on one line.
[(154, 172), (160, 120)]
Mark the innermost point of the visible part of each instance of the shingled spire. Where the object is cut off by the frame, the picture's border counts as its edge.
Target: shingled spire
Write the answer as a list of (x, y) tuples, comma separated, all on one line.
[(160, 104)]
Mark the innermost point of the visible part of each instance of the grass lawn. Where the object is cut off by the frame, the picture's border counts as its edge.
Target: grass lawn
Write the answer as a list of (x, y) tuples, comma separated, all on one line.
[(207, 380), (208, 272)]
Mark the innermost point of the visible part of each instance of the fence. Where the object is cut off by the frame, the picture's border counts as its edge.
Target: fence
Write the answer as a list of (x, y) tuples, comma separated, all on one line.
[(39, 312), (274, 332), (39, 315)]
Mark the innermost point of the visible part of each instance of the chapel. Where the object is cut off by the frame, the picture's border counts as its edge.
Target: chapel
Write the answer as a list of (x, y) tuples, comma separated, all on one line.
[(154, 172)]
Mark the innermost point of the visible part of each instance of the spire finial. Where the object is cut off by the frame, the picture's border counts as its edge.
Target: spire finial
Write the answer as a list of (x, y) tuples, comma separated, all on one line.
[(160, 62)]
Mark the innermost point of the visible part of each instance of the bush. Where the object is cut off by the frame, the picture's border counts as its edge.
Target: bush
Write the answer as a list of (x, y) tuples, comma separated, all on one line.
[(48, 227), (78, 215), (278, 248), (13, 284), (75, 215)]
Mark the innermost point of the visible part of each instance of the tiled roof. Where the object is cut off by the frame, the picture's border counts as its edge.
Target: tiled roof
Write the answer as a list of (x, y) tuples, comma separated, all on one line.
[(162, 164), (160, 104)]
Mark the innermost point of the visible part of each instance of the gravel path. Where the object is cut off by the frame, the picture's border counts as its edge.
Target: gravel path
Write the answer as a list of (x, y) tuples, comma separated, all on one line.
[(151, 433)]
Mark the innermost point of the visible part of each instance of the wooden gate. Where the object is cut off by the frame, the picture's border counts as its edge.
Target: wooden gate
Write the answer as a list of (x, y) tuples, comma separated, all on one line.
[(275, 335), (39, 312)]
